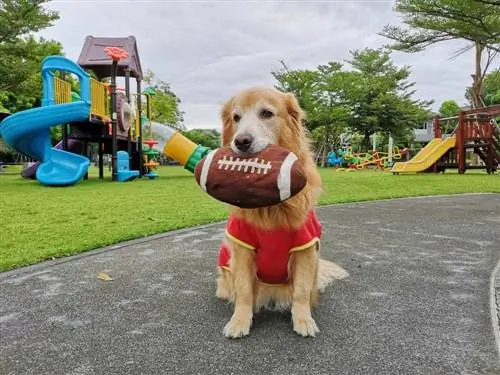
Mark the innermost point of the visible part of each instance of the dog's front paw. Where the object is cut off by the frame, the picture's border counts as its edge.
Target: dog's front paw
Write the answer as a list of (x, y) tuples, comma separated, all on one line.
[(304, 325), (238, 327)]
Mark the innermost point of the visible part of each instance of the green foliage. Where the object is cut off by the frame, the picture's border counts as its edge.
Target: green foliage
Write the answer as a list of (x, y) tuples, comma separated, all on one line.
[(373, 96), (20, 17), (318, 136), (316, 91), (381, 98), (21, 83), (21, 54), (491, 88), (435, 21), (55, 134), (2, 108), (165, 104), (449, 108), (207, 138)]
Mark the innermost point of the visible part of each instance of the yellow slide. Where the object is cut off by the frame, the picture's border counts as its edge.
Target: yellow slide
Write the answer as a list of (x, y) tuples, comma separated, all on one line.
[(426, 156)]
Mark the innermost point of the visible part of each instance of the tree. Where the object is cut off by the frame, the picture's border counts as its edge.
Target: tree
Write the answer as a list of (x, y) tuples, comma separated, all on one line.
[(165, 104), (449, 108), (21, 53), (207, 138), (373, 96), (491, 88), (316, 91), (435, 21), (21, 83), (20, 17), (379, 97), (304, 84)]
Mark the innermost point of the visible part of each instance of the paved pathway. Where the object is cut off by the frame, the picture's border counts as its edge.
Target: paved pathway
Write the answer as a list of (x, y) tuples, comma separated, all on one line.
[(417, 302)]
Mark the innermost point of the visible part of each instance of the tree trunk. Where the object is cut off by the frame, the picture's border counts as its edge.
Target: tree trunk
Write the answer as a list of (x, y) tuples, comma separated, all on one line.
[(477, 79), (325, 145), (323, 157), (367, 145)]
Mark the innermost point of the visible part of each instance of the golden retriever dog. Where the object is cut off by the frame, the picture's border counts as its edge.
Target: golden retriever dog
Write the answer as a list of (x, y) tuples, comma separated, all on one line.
[(253, 119)]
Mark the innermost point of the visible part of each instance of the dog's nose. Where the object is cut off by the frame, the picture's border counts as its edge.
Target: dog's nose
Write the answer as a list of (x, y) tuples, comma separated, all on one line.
[(243, 142)]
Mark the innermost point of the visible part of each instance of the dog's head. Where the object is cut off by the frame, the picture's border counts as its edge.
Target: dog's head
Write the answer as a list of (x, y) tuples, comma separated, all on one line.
[(259, 116)]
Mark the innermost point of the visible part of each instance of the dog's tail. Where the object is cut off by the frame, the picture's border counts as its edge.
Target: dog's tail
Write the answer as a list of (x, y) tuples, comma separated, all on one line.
[(328, 272)]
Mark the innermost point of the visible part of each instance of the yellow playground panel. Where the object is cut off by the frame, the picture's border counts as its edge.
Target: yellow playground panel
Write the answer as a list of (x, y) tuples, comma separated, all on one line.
[(100, 101), (99, 97), (62, 91)]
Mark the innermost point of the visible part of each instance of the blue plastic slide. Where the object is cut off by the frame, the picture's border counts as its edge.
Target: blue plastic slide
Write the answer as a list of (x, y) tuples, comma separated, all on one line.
[(29, 131)]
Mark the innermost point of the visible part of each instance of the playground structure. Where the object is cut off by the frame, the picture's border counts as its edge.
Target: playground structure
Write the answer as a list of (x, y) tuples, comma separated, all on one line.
[(149, 152), (98, 113), (476, 130), (346, 159)]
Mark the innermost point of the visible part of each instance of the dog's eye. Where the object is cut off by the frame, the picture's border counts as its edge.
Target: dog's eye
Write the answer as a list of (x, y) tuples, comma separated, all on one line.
[(236, 117), (265, 113)]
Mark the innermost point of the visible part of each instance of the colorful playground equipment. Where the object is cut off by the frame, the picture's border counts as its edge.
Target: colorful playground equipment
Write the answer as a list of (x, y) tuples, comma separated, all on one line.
[(98, 113), (175, 145), (476, 130), (150, 154), (347, 160)]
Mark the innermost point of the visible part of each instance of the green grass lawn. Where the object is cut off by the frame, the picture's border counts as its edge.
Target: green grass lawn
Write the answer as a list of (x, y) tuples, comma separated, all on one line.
[(41, 223)]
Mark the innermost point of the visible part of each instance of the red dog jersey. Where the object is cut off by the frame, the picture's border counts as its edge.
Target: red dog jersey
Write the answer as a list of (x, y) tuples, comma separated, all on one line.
[(272, 248)]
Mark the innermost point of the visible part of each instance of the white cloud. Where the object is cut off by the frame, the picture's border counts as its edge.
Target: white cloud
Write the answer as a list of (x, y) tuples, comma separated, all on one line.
[(208, 50)]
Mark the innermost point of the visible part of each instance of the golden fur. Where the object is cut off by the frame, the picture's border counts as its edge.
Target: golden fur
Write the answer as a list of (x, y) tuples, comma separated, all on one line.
[(308, 273)]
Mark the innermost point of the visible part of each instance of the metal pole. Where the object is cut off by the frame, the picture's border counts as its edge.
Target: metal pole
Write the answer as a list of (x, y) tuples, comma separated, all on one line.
[(101, 160), (139, 136), (114, 68), (64, 126), (127, 93), (86, 154), (391, 142)]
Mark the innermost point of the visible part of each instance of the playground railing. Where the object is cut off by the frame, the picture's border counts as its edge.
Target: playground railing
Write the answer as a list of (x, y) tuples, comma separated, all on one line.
[(99, 99), (62, 91)]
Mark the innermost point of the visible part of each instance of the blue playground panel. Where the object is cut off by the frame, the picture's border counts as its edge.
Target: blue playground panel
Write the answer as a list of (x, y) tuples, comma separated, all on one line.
[(123, 167), (151, 175), (333, 160)]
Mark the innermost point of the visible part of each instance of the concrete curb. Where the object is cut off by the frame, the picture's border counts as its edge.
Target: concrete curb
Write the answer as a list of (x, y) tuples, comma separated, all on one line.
[(495, 305), (93, 252)]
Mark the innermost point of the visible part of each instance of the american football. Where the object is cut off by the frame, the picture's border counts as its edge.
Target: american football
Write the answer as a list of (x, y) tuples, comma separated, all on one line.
[(251, 181)]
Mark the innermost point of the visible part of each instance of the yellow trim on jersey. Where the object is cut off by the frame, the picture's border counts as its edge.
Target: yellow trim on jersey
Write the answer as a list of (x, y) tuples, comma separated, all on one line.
[(239, 242), (267, 284), (305, 246)]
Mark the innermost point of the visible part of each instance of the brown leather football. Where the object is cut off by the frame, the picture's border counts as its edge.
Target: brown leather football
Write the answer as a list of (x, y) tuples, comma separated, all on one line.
[(270, 177)]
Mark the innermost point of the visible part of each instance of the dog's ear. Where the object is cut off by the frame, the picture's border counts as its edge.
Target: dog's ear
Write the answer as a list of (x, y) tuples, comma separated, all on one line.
[(295, 113), (227, 122)]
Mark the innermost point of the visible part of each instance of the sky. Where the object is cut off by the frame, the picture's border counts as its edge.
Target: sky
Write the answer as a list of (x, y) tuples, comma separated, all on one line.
[(209, 50)]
